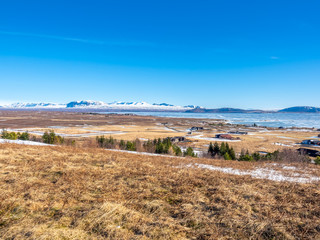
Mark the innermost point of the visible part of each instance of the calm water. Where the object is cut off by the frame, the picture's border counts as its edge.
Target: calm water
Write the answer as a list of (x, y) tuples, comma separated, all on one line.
[(261, 119)]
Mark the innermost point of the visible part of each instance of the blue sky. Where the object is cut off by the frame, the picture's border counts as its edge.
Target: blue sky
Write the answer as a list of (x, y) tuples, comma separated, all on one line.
[(248, 54)]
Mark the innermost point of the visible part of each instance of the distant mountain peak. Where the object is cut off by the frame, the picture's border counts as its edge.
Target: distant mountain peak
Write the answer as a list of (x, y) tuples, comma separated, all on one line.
[(35, 105), (163, 104), (84, 103), (91, 104), (298, 109)]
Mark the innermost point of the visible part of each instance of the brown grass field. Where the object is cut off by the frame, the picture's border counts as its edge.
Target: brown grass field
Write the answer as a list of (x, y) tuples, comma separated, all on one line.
[(88, 193)]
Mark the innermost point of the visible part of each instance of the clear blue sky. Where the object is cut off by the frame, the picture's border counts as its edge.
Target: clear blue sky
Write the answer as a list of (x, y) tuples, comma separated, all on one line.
[(214, 53)]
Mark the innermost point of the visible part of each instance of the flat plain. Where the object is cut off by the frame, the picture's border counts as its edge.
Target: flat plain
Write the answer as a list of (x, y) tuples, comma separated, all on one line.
[(85, 192)]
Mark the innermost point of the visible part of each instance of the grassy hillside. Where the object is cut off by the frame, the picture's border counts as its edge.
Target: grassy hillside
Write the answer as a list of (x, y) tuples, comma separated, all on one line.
[(73, 193)]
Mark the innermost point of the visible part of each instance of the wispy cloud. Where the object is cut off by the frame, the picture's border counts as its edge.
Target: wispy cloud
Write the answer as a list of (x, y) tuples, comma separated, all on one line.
[(80, 40), (274, 58)]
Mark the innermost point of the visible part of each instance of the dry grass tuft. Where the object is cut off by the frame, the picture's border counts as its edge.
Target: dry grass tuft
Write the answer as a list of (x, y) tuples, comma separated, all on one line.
[(73, 193)]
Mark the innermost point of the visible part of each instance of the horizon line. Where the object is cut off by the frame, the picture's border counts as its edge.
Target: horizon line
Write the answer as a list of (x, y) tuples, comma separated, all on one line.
[(7, 103)]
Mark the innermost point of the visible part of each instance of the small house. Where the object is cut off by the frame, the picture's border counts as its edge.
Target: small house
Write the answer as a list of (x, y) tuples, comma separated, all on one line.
[(238, 132), (196, 128), (224, 136), (311, 142), (309, 152), (178, 139)]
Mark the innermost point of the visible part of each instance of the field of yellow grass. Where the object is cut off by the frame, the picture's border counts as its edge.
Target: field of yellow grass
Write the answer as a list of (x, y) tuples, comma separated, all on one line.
[(79, 193)]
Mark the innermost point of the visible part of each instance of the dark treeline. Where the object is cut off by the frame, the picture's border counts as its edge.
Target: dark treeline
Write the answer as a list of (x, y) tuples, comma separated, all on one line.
[(286, 155), (224, 150), (48, 137), (165, 146), (159, 146), (52, 138), (14, 136)]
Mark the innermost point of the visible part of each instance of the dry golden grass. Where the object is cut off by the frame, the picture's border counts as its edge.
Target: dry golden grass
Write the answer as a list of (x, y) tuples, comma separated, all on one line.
[(72, 193)]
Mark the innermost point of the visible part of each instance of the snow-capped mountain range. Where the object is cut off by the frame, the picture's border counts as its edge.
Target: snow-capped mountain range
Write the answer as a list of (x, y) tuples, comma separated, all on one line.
[(88, 104)]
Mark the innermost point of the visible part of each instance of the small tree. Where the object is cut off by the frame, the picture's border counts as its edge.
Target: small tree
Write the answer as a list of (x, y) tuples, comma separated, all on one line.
[(130, 146), (24, 136), (223, 149), (232, 154), (122, 144), (177, 150), (211, 150), (189, 152), (256, 156), (216, 149), (159, 147), (226, 156), (100, 140), (51, 138), (9, 135), (227, 148), (246, 157)]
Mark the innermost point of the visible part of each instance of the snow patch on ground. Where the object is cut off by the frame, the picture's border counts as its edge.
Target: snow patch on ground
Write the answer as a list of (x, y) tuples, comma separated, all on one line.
[(212, 139), (259, 137), (285, 137), (142, 153), (24, 142), (300, 130), (261, 173), (282, 144), (91, 133)]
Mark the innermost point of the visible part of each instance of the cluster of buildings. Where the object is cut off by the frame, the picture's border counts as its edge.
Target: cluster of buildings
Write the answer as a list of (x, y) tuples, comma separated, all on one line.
[(311, 142)]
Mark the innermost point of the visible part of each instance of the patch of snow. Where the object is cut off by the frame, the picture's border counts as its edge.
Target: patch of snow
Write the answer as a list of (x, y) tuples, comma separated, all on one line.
[(289, 167), (282, 144), (285, 137), (198, 152), (264, 130), (92, 133), (142, 153), (143, 139), (170, 129), (95, 133), (212, 139), (300, 130), (24, 142), (261, 173)]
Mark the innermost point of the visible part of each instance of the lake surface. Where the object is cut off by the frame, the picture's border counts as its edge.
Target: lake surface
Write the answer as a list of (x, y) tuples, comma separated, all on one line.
[(261, 119)]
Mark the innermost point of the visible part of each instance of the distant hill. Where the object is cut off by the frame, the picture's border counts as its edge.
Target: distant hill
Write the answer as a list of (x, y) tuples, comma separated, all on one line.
[(222, 110), (301, 109)]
